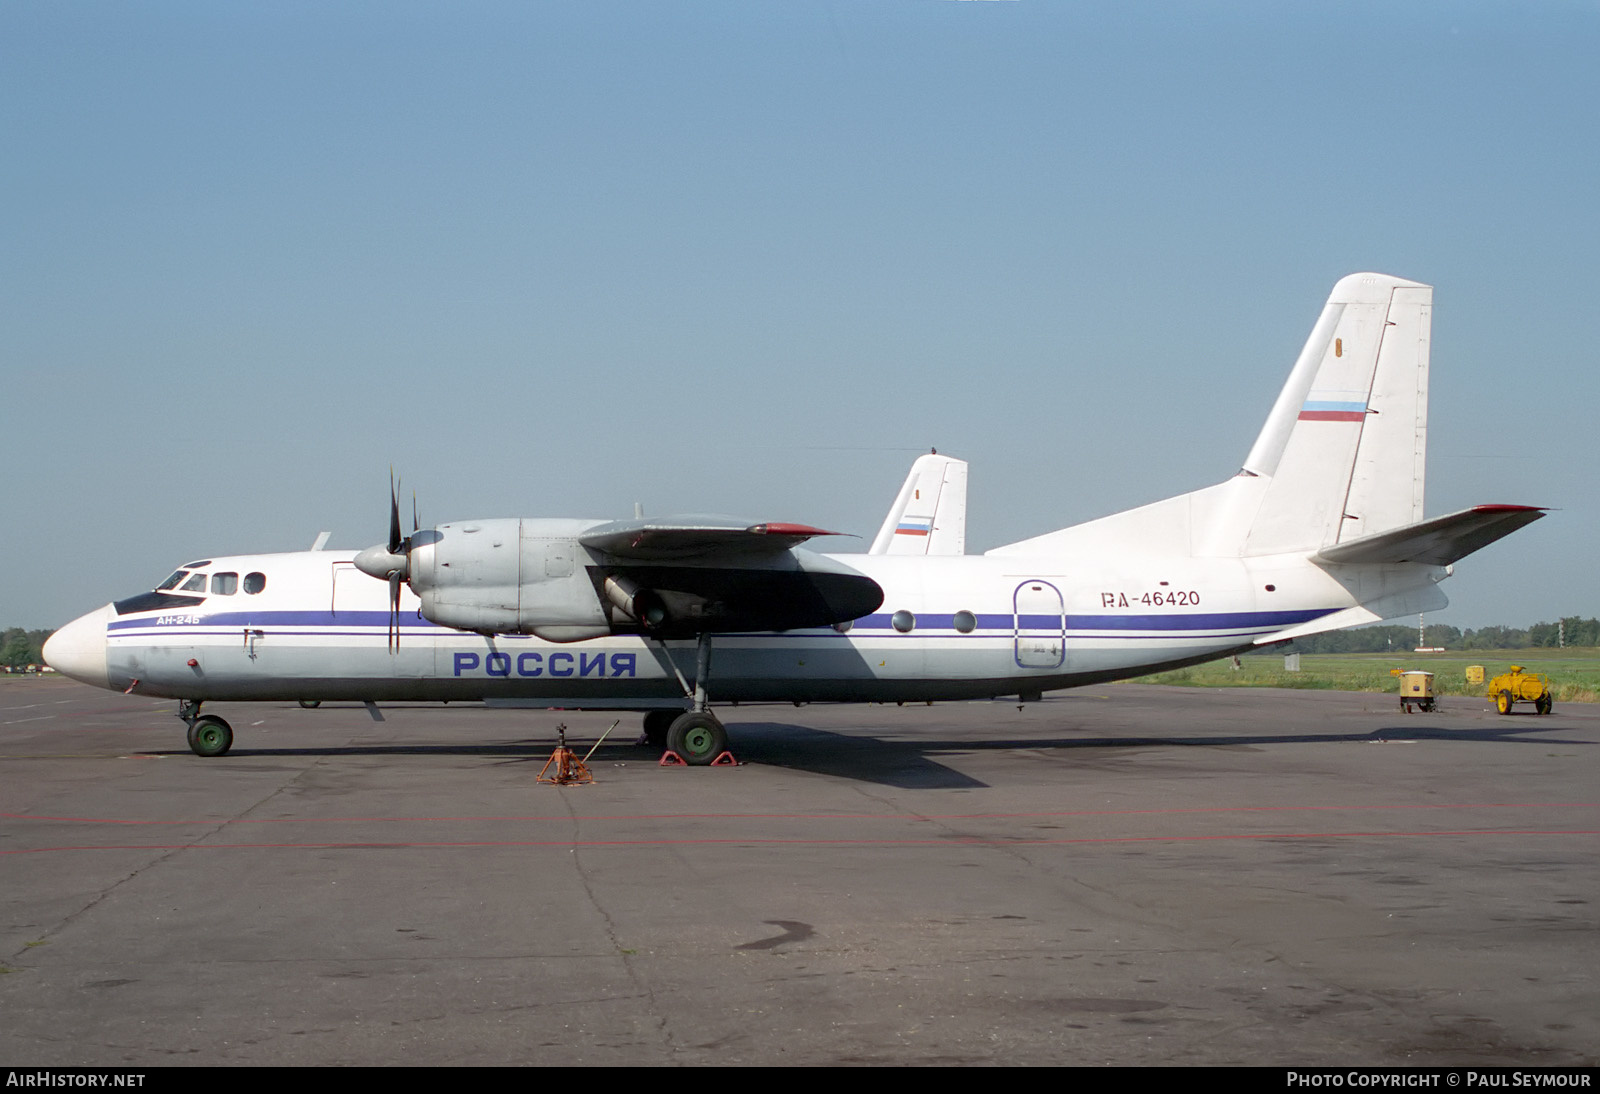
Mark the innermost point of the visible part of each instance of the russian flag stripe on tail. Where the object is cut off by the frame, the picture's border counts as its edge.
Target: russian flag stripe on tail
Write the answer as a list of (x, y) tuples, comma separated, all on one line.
[(1332, 410)]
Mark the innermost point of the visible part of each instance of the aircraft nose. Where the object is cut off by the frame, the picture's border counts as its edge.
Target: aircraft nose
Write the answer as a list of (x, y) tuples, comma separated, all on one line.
[(78, 650)]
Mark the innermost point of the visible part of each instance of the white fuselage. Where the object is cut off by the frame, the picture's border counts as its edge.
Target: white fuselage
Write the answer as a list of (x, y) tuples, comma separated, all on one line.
[(968, 627)]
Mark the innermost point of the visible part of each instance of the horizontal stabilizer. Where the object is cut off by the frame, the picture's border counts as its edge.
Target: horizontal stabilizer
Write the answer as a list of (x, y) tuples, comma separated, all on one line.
[(1437, 542)]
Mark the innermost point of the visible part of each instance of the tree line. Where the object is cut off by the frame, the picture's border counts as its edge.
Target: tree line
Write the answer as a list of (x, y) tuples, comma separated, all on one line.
[(1571, 630), (20, 648)]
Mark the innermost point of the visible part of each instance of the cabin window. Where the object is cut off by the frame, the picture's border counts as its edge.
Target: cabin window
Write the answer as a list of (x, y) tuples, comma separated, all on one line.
[(254, 583), (172, 582), (195, 584), (965, 622), (904, 621), (224, 584)]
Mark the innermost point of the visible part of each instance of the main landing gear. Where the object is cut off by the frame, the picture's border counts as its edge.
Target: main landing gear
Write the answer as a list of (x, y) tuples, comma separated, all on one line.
[(208, 734), (698, 737), (695, 735)]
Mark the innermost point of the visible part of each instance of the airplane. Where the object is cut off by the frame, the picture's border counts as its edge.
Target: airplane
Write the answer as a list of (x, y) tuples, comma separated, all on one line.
[(1321, 528)]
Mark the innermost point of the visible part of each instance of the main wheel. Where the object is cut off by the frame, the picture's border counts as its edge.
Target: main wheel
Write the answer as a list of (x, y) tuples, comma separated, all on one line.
[(1502, 702), (698, 738), (1545, 704), (210, 736), (311, 704), (656, 725)]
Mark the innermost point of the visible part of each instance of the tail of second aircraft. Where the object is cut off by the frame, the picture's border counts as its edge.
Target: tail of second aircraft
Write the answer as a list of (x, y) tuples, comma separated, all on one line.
[(1338, 468), (929, 515)]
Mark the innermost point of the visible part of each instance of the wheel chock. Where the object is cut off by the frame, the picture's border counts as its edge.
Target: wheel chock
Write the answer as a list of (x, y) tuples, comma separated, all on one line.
[(670, 758)]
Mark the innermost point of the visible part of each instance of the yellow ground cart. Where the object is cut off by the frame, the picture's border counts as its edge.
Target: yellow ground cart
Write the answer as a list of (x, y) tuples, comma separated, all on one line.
[(1416, 689), (1518, 686)]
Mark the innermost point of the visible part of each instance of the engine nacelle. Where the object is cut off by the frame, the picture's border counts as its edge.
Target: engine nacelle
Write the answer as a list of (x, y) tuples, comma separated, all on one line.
[(509, 576), (536, 576)]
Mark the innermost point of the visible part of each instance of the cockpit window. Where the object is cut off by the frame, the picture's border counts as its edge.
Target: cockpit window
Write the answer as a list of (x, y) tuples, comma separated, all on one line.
[(224, 584), (254, 583), (172, 581), (196, 584)]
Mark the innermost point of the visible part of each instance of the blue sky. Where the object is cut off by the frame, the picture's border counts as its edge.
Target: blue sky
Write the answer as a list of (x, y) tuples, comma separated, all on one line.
[(553, 259)]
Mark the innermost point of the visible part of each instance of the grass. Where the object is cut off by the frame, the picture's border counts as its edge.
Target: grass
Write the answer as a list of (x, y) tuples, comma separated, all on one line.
[(1574, 673)]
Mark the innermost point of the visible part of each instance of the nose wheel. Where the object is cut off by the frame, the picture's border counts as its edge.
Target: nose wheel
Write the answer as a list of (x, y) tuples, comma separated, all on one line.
[(208, 734)]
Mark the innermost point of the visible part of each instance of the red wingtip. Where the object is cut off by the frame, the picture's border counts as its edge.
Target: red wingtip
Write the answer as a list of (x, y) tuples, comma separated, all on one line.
[(781, 529)]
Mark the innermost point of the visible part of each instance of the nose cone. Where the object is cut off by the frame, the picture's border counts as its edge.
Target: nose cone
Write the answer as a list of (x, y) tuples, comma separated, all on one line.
[(78, 650)]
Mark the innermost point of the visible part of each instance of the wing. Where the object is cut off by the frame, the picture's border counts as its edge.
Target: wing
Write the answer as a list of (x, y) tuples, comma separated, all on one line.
[(676, 578)]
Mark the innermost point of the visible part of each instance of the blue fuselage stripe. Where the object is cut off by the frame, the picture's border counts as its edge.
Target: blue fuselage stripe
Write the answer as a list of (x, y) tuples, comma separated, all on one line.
[(360, 623)]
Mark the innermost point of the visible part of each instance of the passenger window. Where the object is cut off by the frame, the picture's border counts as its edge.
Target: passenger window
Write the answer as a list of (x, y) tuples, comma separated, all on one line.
[(224, 584), (965, 622), (254, 583), (196, 584)]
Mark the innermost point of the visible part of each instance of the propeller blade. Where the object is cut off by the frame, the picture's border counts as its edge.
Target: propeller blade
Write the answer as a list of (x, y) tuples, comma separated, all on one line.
[(394, 516), (394, 611)]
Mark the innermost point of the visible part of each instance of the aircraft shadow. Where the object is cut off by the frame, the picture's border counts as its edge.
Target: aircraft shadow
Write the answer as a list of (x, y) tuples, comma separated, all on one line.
[(908, 762), (911, 763)]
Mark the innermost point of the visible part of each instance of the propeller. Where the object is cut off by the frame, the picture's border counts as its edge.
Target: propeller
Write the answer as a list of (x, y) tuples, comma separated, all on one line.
[(392, 562)]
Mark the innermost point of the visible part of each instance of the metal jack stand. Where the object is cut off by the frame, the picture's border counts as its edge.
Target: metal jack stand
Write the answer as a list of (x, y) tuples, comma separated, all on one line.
[(570, 771)]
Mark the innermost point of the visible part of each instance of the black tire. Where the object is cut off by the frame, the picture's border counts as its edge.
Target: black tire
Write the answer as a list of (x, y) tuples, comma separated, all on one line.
[(210, 736), (311, 704), (698, 738), (1502, 702), (1545, 704), (656, 725)]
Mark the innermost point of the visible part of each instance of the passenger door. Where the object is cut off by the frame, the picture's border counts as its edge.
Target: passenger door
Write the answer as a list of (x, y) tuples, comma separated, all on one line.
[(1040, 625)]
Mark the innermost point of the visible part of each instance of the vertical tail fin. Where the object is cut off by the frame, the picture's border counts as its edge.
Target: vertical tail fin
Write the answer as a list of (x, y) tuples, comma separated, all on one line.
[(929, 515), (1344, 448), (1341, 457)]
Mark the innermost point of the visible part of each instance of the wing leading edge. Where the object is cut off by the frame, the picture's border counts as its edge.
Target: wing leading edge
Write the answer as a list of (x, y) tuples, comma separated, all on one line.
[(696, 537)]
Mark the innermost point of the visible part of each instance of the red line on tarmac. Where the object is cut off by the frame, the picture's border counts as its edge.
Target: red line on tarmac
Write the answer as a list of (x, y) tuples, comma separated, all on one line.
[(827, 816), (956, 841)]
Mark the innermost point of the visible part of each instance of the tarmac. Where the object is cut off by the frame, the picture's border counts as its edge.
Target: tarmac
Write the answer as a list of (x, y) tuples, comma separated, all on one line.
[(1122, 874)]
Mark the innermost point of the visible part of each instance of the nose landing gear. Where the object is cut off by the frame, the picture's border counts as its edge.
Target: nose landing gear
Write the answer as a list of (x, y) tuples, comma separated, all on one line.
[(208, 734)]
